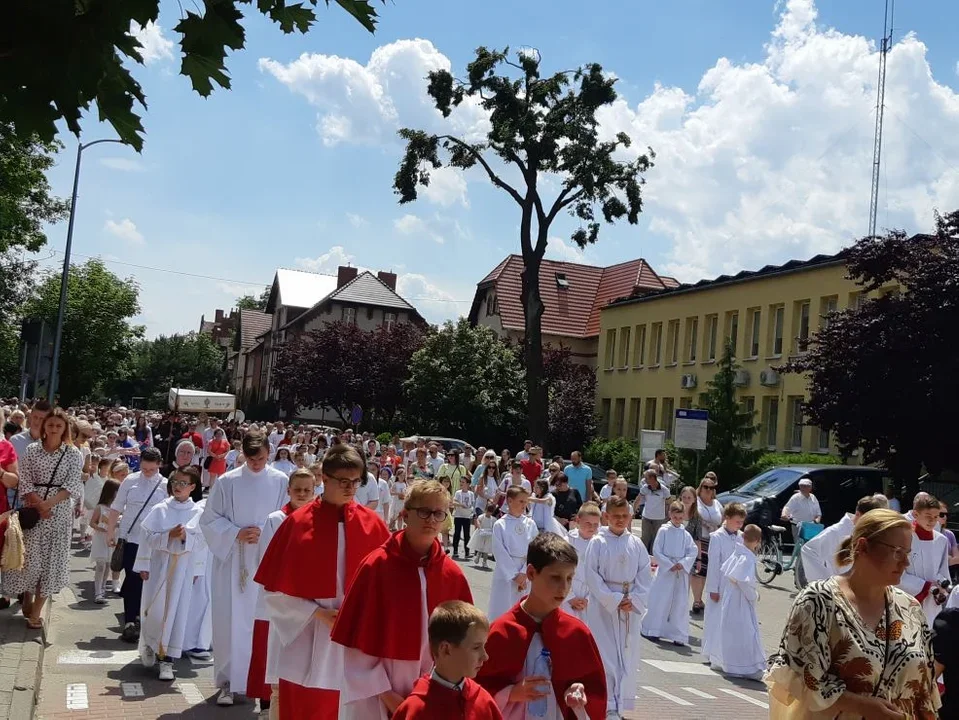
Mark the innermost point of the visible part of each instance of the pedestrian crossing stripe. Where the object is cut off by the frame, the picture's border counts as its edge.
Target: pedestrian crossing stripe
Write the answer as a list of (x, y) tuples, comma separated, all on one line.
[(98, 657), (667, 696), (686, 668), (699, 693), (743, 696)]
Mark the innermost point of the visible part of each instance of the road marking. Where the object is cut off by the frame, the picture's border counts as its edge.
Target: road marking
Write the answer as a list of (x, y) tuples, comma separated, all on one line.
[(131, 689), (98, 657), (77, 696), (699, 693), (667, 696), (743, 696), (190, 693), (686, 668)]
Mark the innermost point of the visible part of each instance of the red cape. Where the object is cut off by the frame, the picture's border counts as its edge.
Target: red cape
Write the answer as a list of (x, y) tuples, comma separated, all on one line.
[(574, 654), (301, 558), (389, 579), (432, 701)]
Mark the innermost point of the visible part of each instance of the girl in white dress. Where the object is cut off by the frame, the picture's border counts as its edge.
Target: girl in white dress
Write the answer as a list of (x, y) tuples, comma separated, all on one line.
[(398, 497), (283, 462), (384, 508), (481, 544), (99, 550)]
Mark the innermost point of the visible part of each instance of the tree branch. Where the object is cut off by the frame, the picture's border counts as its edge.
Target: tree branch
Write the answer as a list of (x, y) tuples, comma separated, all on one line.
[(494, 178), (563, 202)]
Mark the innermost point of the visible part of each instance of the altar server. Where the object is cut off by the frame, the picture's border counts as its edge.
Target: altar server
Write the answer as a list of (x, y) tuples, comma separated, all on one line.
[(512, 534), (929, 559), (675, 553), (819, 554), (722, 542), (587, 525)]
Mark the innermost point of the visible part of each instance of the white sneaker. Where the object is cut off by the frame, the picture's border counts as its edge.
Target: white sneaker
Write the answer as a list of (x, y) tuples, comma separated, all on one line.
[(100, 600), (199, 654), (225, 698), (166, 670), (107, 585)]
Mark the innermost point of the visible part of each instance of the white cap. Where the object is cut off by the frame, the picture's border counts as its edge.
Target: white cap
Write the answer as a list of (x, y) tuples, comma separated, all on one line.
[(805, 482)]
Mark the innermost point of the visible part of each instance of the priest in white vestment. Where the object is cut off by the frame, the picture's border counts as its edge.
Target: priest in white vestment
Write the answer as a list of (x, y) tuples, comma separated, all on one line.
[(512, 535), (819, 554), (235, 512), (667, 614)]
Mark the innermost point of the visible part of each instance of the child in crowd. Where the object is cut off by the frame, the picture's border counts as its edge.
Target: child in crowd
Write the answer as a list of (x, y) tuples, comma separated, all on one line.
[(722, 543), (618, 575), (119, 470), (317, 470), (536, 635), (383, 506), (739, 649), (99, 550), (233, 454), (929, 559), (457, 636), (171, 531), (675, 553), (482, 541), (587, 525), (91, 494), (512, 534), (543, 509), (463, 502), (398, 497)]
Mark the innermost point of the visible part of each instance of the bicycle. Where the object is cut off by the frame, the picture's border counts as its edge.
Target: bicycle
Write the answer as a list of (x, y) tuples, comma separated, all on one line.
[(770, 561)]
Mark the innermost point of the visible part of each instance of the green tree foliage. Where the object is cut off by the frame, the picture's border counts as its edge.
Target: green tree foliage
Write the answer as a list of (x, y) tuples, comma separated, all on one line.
[(58, 58), (884, 376), (619, 454), (254, 302), (464, 382), (539, 127), (97, 337), (190, 361), (769, 460)]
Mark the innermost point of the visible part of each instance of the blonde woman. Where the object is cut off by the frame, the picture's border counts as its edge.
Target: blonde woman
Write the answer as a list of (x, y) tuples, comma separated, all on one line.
[(855, 645)]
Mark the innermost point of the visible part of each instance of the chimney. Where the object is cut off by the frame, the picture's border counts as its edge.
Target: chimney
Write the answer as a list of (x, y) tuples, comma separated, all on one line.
[(388, 279), (219, 317), (344, 274)]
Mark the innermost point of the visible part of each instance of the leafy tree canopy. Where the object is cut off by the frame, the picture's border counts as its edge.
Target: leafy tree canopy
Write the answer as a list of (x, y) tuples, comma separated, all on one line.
[(97, 336), (539, 125), (254, 302), (572, 401), (58, 58), (884, 376)]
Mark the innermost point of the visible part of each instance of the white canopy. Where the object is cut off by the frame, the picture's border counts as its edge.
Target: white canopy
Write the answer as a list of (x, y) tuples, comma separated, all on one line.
[(201, 401)]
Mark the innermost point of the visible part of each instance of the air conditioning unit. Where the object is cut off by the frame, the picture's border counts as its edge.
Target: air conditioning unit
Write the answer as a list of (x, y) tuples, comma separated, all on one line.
[(688, 382), (769, 378), (741, 378)]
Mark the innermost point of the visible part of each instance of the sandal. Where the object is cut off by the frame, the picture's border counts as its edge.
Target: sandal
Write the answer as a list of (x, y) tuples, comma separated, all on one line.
[(35, 624)]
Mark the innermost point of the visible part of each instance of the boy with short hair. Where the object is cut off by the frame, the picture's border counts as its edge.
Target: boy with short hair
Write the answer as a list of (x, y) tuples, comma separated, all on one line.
[(457, 636), (739, 651), (619, 578), (536, 630), (722, 542), (587, 525), (929, 559), (675, 553), (512, 534)]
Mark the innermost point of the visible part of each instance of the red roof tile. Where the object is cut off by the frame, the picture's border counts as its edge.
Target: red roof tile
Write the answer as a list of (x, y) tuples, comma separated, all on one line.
[(572, 311)]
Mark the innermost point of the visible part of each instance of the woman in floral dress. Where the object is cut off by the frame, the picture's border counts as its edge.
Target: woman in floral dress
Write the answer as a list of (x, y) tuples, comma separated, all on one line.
[(50, 482), (856, 646)]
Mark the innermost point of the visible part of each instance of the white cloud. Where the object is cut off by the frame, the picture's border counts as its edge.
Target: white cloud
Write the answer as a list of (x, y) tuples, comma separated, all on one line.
[(433, 302), (447, 187), (237, 290), (357, 221), (125, 230), (155, 46), (123, 164), (411, 224), (328, 262), (368, 103), (559, 249), (771, 160)]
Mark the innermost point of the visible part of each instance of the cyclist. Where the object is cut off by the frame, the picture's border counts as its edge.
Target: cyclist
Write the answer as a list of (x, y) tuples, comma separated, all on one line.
[(819, 553), (802, 507)]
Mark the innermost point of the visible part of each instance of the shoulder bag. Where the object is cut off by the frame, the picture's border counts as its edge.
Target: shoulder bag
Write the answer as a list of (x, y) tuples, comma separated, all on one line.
[(29, 517), (116, 559)]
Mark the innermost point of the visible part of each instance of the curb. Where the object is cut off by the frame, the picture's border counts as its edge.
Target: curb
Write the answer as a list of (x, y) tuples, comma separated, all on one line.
[(26, 648)]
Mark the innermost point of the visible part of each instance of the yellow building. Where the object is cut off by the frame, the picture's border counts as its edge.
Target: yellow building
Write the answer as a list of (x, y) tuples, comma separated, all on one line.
[(658, 350)]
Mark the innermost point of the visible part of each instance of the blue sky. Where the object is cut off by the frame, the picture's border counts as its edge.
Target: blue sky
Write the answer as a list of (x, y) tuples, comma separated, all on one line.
[(761, 117)]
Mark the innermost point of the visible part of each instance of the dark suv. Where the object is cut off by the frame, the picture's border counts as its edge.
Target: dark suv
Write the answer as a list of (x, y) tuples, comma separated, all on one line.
[(837, 487)]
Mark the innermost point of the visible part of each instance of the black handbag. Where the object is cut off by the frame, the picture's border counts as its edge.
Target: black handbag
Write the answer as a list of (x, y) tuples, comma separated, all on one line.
[(116, 559), (29, 517)]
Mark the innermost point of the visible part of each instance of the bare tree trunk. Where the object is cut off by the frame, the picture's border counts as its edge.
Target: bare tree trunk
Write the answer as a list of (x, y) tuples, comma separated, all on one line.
[(533, 309)]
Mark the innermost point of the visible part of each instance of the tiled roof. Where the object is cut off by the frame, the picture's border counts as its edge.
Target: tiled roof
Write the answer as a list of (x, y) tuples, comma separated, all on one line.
[(253, 323), (365, 289), (207, 327), (571, 311), (298, 288)]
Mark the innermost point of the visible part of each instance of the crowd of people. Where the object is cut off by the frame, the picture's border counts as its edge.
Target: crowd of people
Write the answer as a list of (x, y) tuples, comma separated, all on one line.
[(282, 553)]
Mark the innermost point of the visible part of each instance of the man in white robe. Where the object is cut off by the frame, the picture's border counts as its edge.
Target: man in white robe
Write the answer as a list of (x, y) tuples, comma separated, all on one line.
[(587, 525), (235, 512), (819, 554), (619, 578), (739, 650), (667, 616), (512, 535)]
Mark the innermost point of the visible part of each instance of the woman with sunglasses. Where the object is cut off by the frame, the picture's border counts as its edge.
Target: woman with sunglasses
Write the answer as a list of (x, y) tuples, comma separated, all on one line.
[(855, 645), (710, 512)]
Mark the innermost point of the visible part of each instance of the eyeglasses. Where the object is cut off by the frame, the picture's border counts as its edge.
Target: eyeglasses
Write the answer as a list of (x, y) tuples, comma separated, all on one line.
[(180, 484), (345, 483), (899, 553), (425, 514), (711, 488)]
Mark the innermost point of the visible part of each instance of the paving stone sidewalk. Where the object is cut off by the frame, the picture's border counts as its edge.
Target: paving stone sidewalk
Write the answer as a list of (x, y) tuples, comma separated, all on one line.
[(21, 658)]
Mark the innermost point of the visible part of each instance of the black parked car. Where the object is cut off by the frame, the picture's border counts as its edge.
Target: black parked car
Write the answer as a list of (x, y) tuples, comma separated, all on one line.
[(837, 487)]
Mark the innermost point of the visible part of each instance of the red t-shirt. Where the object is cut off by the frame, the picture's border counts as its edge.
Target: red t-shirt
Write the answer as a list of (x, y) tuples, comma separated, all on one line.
[(8, 456), (532, 470)]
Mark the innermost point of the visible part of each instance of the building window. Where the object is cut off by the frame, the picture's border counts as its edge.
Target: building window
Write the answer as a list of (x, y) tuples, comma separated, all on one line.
[(712, 330), (561, 281), (777, 318), (685, 403), (604, 418), (619, 415), (795, 423), (755, 317), (856, 300), (639, 346), (349, 315), (801, 323), (656, 345), (667, 414), (492, 305), (828, 304), (610, 349), (624, 334), (389, 320), (771, 421), (732, 330), (632, 429), (822, 441), (692, 334), (672, 342), (749, 408), (649, 416)]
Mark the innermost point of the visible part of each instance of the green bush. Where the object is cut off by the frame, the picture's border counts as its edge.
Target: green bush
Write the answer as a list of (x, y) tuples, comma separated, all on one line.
[(384, 438), (774, 459), (619, 454)]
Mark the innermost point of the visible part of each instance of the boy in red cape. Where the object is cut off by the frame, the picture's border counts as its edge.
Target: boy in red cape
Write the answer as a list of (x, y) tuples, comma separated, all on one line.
[(258, 681), (384, 618), (537, 624), (458, 633), (306, 572)]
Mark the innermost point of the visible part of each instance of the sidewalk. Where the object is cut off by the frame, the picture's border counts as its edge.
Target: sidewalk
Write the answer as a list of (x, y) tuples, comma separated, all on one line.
[(21, 657)]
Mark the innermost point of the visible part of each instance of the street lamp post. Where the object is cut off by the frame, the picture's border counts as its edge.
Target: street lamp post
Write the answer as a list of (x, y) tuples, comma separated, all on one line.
[(62, 310)]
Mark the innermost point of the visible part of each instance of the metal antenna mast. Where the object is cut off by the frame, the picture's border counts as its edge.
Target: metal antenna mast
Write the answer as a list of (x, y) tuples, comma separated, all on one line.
[(880, 111)]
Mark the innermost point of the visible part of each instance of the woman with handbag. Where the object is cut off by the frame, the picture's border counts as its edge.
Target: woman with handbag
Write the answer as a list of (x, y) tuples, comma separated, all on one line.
[(856, 646), (50, 485), (9, 478)]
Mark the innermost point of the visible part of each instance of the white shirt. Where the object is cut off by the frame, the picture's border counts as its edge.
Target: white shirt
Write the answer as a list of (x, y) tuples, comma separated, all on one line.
[(20, 442), (435, 462), (654, 507), (467, 500), (801, 508), (134, 493)]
